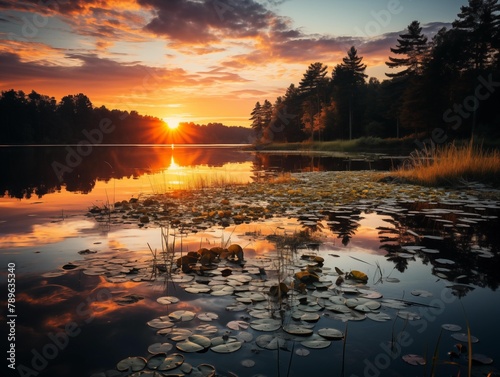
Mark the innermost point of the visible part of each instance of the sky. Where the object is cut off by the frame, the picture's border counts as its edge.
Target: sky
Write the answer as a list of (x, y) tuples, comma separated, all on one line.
[(196, 61)]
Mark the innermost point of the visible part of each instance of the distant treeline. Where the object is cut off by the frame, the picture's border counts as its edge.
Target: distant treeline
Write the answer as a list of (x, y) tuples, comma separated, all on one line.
[(444, 88), (39, 119)]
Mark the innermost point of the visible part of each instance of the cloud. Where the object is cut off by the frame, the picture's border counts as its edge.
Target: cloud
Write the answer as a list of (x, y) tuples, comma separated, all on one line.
[(200, 22)]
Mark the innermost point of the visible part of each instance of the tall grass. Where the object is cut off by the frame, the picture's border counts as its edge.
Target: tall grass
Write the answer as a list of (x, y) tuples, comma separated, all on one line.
[(451, 165), (362, 144)]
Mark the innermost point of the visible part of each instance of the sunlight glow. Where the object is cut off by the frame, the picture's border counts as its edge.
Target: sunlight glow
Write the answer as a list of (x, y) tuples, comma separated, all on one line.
[(172, 122)]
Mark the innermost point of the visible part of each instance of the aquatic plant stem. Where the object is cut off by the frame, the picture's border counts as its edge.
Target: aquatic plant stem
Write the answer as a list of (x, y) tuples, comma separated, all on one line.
[(342, 373), (435, 356), (469, 343)]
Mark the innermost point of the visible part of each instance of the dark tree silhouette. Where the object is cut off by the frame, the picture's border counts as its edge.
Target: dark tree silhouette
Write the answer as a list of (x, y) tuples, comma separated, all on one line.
[(354, 73), (479, 20), (412, 45)]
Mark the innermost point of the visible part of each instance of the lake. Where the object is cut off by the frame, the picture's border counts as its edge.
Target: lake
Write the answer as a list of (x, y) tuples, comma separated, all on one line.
[(388, 274)]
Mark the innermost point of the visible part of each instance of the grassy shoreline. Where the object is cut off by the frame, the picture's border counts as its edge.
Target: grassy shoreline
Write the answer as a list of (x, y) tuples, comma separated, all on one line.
[(365, 144), (448, 164), (452, 165)]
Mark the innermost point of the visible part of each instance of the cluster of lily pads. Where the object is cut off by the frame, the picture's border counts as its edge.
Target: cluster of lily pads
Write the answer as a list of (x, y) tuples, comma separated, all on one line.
[(283, 301), (302, 193)]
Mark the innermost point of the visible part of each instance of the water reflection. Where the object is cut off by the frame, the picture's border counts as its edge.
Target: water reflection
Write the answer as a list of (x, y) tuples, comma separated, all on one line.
[(461, 245), (39, 171), (34, 171)]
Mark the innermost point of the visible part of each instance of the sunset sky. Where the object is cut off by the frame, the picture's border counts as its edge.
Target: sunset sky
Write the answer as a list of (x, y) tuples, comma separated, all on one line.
[(195, 60)]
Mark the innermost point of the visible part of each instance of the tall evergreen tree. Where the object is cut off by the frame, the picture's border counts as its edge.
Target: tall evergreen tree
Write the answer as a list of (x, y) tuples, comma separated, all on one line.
[(314, 79), (313, 88), (354, 72), (413, 46), (256, 118), (480, 21)]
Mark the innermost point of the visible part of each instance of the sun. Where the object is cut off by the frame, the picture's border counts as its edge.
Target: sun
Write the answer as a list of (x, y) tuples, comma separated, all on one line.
[(172, 122)]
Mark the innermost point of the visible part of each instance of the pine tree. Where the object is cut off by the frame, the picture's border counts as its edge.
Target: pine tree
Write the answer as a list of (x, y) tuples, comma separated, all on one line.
[(256, 118), (314, 79), (413, 45), (313, 88), (354, 67), (349, 76), (480, 22)]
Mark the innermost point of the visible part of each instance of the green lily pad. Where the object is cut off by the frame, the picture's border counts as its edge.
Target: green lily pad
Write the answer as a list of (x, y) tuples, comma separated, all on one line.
[(265, 324), (207, 316), (182, 316), (270, 342), (379, 317), (207, 329), (414, 359), (171, 362), (451, 327), (205, 370), (238, 325), (178, 335), (195, 343), (482, 359), (462, 337), (161, 323), (160, 348), (297, 330), (134, 364), (410, 316), (331, 334), (302, 352), (156, 360), (316, 343), (167, 300), (228, 347)]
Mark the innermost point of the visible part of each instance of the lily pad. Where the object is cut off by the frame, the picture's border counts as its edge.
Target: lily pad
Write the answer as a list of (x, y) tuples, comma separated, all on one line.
[(230, 346), (302, 352), (297, 330), (171, 362), (379, 317), (331, 333), (161, 323), (451, 327), (182, 316), (178, 335), (167, 300), (316, 342), (482, 359), (265, 324), (203, 370), (207, 330), (195, 343), (160, 348), (270, 342), (238, 325), (248, 363), (410, 316), (414, 359), (462, 337), (207, 316), (134, 364)]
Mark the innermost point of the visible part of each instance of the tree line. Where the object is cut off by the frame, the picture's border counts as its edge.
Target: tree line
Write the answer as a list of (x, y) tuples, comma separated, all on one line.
[(442, 88), (39, 119)]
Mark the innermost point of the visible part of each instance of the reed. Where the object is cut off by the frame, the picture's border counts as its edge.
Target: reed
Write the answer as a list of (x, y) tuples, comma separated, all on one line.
[(452, 165)]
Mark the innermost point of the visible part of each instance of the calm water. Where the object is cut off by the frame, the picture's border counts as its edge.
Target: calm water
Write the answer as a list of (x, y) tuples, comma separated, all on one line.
[(72, 323)]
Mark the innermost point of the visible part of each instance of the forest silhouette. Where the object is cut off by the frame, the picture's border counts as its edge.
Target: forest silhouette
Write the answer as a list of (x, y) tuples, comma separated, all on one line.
[(441, 88), (39, 119)]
